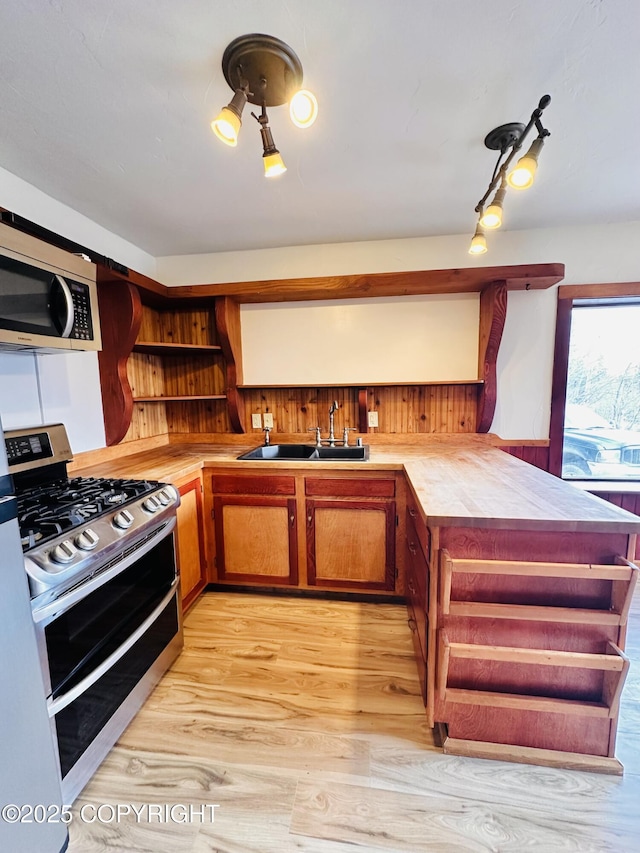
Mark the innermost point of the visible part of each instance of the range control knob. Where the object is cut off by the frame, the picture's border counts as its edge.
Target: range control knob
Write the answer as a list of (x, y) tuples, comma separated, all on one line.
[(87, 540), (151, 504), (123, 519), (64, 552), (166, 496)]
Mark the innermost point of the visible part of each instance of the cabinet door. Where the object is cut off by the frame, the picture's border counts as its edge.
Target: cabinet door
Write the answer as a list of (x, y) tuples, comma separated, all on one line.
[(351, 544), (191, 550), (256, 539)]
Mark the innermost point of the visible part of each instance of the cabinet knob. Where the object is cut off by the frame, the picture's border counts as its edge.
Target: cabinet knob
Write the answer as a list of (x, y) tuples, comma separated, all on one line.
[(413, 625), (292, 519)]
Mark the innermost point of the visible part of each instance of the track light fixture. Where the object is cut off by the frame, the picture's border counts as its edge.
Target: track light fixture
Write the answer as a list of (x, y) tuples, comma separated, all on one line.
[(521, 176), (264, 71)]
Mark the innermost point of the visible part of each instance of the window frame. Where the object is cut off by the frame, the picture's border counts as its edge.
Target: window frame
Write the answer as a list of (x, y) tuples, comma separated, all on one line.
[(568, 296)]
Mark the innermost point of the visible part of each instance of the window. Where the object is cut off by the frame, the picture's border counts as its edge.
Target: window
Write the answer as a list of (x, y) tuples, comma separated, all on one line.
[(601, 439)]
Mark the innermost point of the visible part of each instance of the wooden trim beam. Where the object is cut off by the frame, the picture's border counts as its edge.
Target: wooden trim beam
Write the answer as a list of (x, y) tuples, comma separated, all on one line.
[(411, 283), (599, 291)]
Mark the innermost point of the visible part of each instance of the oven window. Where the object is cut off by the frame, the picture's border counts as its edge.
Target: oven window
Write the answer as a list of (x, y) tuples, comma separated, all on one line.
[(81, 722), (86, 634)]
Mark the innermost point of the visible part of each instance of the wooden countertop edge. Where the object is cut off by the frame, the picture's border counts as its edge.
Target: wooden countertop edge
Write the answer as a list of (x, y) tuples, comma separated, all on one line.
[(178, 463)]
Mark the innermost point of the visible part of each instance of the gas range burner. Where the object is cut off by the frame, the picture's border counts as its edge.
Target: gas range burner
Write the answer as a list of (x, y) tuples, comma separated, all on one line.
[(49, 509)]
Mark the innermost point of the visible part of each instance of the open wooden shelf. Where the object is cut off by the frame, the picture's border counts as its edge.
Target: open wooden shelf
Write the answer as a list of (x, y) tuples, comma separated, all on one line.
[(180, 399), (614, 665), (622, 574), (164, 348)]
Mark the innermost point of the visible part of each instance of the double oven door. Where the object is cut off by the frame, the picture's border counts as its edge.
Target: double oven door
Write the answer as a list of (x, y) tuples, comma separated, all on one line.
[(103, 647)]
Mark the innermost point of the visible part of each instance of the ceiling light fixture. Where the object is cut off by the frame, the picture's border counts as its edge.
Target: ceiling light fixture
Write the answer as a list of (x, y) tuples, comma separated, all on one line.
[(508, 136), (266, 72)]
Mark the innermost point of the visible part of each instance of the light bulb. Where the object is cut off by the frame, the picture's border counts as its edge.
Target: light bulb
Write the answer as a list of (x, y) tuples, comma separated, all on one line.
[(273, 164), (522, 176), (493, 217), (226, 126), (303, 108), (478, 243)]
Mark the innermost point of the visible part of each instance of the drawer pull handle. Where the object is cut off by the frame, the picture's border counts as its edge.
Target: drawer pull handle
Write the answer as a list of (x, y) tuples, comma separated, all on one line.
[(413, 513), (412, 547), (292, 519), (412, 624), (412, 588)]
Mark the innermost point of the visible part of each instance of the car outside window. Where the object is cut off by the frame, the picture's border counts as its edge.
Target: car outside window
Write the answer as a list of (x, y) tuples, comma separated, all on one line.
[(602, 414)]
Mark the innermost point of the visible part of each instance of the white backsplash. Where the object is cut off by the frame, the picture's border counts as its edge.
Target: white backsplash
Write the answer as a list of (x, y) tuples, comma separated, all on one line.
[(61, 388)]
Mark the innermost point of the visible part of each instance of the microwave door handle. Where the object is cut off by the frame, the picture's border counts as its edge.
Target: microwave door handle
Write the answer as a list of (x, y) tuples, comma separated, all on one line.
[(69, 309)]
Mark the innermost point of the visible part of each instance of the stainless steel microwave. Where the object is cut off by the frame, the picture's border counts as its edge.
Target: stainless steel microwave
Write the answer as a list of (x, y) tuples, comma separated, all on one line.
[(48, 297)]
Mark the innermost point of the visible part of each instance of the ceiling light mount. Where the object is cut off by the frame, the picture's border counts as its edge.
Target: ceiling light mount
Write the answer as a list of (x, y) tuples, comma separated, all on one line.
[(267, 66), (265, 71), (502, 138)]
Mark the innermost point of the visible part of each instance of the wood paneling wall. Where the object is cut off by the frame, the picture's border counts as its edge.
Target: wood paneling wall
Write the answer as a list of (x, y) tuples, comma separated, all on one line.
[(627, 500), (401, 409), (534, 454), (178, 326)]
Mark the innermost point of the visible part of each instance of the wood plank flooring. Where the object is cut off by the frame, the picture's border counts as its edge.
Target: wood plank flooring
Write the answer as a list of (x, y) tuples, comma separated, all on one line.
[(302, 721)]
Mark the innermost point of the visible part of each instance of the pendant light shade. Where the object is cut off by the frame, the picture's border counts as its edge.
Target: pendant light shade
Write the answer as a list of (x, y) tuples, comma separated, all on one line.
[(273, 164)]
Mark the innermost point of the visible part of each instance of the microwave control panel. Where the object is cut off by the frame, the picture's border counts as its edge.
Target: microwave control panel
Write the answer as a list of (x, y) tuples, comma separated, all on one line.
[(82, 325)]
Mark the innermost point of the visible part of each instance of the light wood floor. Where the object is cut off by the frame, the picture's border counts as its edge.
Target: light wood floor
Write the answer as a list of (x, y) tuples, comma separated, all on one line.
[(302, 721)]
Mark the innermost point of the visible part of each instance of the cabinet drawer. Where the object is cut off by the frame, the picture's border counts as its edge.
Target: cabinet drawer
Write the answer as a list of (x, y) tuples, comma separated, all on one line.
[(414, 519), (347, 487), (247, 484)]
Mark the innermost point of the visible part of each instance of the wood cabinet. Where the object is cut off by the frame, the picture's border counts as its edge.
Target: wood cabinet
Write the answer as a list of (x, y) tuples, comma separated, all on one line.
[(417, 591), (350, 533), (330, 532), (192, 561), (168, 365), (255, 523)]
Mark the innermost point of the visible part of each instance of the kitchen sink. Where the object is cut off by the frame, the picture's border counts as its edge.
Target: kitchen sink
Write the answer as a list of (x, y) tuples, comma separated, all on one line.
[(308, 452)]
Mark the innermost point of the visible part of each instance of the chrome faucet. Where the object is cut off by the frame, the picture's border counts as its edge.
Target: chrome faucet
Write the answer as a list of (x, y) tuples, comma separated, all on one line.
[(332, 440), (332, 435)]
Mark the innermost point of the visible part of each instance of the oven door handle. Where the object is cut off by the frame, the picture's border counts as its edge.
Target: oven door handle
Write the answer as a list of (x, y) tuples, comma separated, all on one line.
[(56, 705)]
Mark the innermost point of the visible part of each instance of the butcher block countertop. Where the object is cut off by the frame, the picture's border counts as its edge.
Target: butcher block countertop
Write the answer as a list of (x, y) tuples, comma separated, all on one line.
[(458, 480)]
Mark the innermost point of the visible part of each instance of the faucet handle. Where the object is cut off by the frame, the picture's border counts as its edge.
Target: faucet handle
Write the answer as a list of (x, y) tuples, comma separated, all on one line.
[(266, 431), (345, 435), (318, 433)]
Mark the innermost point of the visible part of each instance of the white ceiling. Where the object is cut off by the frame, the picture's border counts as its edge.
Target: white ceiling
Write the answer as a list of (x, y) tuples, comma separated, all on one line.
[(105, 105)]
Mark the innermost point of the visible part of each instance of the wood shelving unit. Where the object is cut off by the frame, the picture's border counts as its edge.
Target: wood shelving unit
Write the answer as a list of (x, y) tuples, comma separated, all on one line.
[(166, 355), (519, 640)]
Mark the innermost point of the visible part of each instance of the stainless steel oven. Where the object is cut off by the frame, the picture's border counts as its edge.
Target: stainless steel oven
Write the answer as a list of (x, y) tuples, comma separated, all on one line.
[(101, 561)]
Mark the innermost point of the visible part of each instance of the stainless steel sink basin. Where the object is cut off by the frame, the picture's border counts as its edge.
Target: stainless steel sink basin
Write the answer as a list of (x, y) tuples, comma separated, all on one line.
[(306, 452)]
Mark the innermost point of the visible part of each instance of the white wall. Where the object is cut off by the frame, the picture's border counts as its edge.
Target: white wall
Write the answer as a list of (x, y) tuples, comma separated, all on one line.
[(591, 254), (64, 387)]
